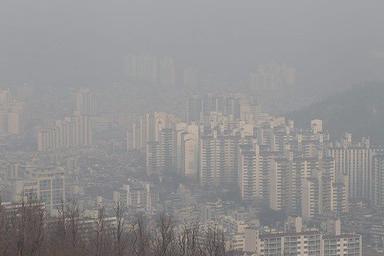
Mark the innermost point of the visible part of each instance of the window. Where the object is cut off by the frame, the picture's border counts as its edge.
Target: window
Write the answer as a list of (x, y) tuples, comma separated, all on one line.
[(46, 197), (57, 183), (45, 184)]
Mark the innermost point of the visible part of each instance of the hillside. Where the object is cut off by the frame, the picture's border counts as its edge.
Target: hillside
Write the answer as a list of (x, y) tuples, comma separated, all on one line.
[(359, 110)]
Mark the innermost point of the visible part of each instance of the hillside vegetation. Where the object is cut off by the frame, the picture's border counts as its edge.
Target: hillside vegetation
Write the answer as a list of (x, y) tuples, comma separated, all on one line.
[(359, 110)]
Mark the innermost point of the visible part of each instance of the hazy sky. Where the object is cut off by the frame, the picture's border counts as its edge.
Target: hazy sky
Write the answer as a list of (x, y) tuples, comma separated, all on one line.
[(71, 42)]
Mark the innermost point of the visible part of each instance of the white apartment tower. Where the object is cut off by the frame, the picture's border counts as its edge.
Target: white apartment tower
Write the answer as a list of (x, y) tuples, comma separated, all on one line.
[(85, 102), (74, 131), (219, 158), (250, 175), (355, 161)]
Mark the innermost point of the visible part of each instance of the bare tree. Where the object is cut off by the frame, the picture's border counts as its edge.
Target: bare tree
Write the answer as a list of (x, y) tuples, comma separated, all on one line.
[(7, 233), (120, 234), (57, 232), (163, 242), (25, 230), (72, 227), (188, 240), (214, 242), (25, 224), (35, 229), (65, 232), (99, 239), (141, 237)]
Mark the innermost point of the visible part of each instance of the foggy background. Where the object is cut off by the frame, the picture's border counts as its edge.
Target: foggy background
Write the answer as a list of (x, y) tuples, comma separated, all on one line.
[(331, 43), (243, 112)]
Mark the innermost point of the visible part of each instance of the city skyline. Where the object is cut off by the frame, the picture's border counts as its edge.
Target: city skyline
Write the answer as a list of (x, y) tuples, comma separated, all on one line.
[(191, 128)]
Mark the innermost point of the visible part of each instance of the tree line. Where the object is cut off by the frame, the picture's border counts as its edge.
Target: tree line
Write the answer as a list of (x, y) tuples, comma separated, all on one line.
[(27, 230)]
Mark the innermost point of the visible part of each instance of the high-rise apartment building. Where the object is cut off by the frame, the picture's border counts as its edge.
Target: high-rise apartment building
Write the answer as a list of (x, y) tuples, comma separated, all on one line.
[(142, 68), (167, 71), (219, 156), (307, 243), (73, 131), (278, 187), (167, 147), (194, 109), (342, 245), (225, 142), (310, 206), (226, 105), (153, 161), (317, 126), (147, 128), (151, 69), (155, 134), (45, 185), (11, 114), (85, 102), (190, 151), (378, 180), (250, 174), (289, 170), (136, 196), (355, 161)]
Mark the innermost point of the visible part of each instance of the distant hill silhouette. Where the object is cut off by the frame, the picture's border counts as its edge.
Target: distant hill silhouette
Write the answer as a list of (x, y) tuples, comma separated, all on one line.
[(359, 110)]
